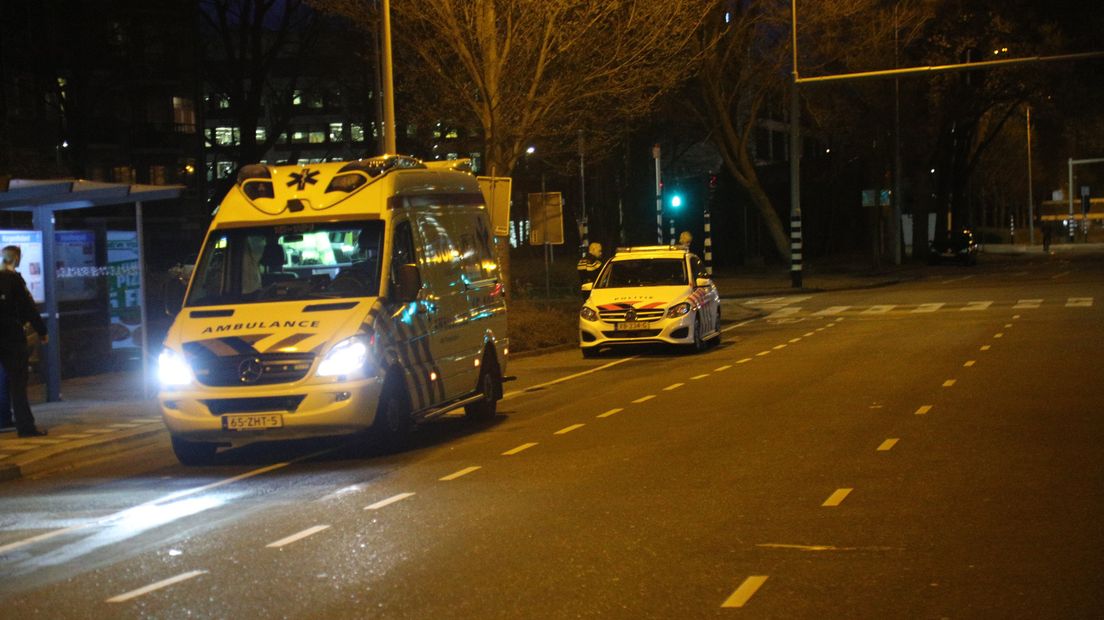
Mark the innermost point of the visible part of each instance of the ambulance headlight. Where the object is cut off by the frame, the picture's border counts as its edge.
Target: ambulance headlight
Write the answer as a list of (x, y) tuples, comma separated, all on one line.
[(172, 369), (588, 313), (347, 357), (678, 310)]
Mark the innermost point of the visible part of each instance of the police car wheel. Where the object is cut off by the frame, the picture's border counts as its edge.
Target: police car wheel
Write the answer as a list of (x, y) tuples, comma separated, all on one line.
[(193, 452), (393, 423), (699, 344), (485, 408)]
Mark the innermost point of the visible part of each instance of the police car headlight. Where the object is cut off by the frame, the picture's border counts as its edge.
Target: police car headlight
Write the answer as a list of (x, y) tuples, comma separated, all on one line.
[(678, 310), (173, 369), (588, 313), (347, 357)]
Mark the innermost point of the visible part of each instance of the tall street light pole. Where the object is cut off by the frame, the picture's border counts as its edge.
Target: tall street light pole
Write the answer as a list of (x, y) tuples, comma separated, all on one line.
[(1030, 198), (388, 80), (795, 163)]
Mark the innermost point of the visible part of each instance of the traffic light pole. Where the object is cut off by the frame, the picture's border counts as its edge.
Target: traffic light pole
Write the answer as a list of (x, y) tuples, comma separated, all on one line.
[(659, 197), (795, 163)]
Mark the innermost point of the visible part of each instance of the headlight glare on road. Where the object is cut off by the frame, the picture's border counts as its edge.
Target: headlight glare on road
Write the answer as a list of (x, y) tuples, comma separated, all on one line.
[(345, 358), (588, 313), (173, 369), (678, 310)]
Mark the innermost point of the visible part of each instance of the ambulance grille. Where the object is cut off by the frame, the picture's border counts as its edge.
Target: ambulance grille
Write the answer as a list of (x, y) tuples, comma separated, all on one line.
[(241, 370), (616, 316)]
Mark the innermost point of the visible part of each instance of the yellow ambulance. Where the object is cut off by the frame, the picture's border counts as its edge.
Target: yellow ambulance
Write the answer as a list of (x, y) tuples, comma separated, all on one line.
[(336, 298)]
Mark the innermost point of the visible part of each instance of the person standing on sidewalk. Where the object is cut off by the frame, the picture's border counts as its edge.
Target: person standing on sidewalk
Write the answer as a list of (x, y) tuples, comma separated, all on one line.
[(17, 308)]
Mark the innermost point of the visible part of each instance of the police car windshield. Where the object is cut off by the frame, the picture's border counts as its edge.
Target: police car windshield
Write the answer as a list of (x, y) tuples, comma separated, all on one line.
[(289, 262), (644, 272)]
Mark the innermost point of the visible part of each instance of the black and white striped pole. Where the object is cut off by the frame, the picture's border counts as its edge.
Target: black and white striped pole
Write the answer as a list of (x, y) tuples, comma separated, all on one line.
[(659, 197), (795, 188), (708, 228)]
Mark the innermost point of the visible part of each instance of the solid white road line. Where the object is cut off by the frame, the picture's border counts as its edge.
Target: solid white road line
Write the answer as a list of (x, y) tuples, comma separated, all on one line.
[(610, 412), (643, 399), (567, 429), (122, 598), (390, 500), (514, 393), (463, 472), (310, 531), (887, 445), (740, 324), (836, 498), (923, 409), (743, 594)]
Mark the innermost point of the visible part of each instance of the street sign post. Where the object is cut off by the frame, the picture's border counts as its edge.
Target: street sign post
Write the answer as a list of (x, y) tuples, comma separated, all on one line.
[(496, 195)]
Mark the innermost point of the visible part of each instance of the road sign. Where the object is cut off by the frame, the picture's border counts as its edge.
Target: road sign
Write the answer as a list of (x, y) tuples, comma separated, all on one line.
[(496, 195), (546, 219)]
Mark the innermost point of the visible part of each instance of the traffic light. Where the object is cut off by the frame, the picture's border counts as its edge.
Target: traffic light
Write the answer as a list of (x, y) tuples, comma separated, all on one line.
[(676, 201)]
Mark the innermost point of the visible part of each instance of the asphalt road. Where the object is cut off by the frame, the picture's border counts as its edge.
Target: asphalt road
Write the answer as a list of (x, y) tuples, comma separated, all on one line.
[(929, 449)]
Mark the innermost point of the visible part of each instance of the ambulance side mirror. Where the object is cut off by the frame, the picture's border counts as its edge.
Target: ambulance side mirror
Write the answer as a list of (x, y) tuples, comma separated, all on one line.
[(587, 286), (407, 283), (173, 295), (702, 282)]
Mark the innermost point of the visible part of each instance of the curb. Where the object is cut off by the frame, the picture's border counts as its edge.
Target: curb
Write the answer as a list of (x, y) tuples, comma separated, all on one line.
[(107, 443)]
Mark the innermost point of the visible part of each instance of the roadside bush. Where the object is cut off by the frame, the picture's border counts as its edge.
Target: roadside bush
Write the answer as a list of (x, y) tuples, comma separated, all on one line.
[(540, 324)]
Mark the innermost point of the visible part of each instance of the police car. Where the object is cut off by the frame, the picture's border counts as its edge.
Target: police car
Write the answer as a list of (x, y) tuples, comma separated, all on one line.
[(650, 294)]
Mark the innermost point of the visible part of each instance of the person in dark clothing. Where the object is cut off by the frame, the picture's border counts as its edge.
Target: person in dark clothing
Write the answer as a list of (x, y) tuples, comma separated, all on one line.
[(590, 264), (16, 308)]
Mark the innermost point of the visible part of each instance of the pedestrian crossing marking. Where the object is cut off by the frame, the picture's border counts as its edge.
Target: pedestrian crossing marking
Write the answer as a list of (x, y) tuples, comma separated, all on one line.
[(788, 311), (929, 307), (881, 309), (1079, 302), (832, 311), (1028, 303), (976, 305)]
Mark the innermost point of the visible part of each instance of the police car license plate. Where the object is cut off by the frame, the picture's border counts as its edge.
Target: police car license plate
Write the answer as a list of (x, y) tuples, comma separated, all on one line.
[(252, 422), (628, 325)]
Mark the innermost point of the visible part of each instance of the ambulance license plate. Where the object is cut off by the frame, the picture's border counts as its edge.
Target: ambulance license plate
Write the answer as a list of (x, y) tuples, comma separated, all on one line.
[(252, 422), (629, 325)]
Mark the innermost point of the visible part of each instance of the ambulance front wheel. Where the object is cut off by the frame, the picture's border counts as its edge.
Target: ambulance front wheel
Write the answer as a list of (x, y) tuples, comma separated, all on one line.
[(193, 452), (393, 424)]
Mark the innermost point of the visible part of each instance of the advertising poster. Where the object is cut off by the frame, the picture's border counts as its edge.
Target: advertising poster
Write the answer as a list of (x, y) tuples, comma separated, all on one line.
[(30, 266), (124, 289), (75, 255)]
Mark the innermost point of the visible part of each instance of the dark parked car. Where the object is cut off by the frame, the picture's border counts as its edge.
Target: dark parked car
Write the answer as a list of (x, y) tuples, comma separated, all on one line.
[(957, 245)]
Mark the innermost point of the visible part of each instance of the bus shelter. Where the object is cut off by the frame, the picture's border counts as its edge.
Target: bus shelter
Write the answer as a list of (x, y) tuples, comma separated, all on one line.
[(43, 199)]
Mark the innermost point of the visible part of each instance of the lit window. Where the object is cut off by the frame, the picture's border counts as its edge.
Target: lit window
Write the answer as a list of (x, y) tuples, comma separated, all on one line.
[(297, 98), (336, 132), (452, 133), (183, 115), (227, 136), (225, 169), (317, 137), (357, 132), (298, 136)]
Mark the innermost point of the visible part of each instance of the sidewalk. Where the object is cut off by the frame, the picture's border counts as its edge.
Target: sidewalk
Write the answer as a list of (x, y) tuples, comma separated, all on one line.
[(96, 417)]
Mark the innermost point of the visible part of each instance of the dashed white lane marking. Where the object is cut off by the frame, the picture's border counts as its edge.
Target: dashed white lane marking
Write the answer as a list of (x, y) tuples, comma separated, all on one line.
[(762, 353), (963, 278), (643, 399), (1015, 316), (795, 340), (1007, 325), (879, 309), (923, 409), (887, 445), (310, 531), (722, 368), (949, 383), (975, 305), (567, 429), (807, 334), (697, 377), (928, 307), (538, 386), (969, 363), (164, 583), (610, 412), (744, 361), (456, 474), (833, 310), (521, 448), (985, 347), (836, 498), (391, 500), (998, 335), (1079, 302), (820, 329), (673, 386), (778, 347), (1028, 303), (743, 594)]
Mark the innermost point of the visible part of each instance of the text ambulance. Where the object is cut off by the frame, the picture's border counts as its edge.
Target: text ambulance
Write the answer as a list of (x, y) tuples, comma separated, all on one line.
[(334, 298)]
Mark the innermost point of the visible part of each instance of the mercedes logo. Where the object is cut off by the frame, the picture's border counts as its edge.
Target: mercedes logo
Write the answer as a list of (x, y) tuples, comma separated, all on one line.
[(250, 370), (630, 315)]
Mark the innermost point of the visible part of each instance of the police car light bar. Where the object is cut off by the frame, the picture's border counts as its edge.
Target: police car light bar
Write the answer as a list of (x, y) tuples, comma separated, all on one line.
[(651, 248)]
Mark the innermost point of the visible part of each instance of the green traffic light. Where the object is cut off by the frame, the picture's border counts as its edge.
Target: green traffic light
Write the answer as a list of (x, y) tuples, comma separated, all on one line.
[(676, 201)]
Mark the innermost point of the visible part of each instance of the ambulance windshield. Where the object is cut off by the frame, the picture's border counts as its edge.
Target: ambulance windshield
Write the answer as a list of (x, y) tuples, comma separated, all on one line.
[(325, 260)]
